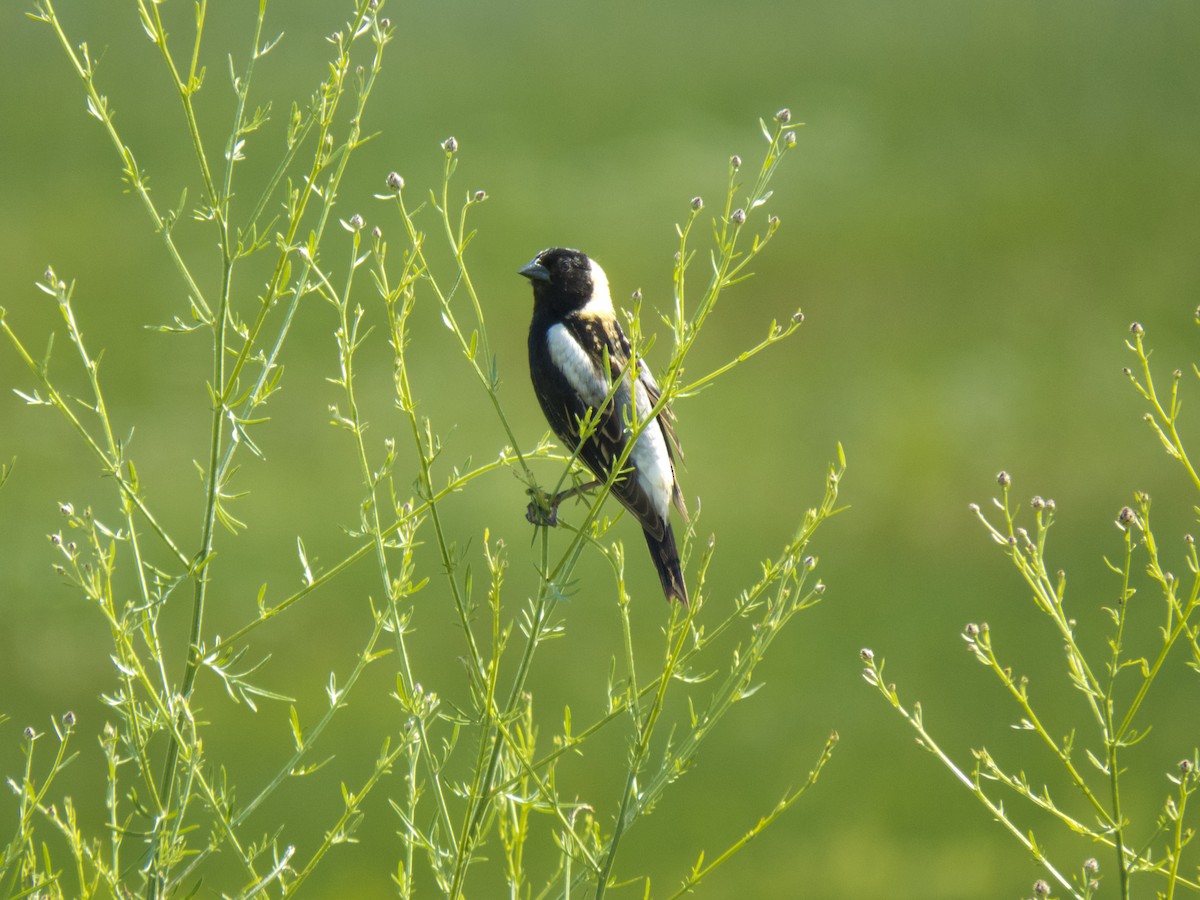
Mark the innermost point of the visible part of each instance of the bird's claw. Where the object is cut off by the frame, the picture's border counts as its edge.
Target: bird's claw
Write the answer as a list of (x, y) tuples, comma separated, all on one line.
[(541, 515)]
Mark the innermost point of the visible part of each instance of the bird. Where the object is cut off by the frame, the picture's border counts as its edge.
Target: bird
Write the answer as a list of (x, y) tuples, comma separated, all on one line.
[(577, 354)]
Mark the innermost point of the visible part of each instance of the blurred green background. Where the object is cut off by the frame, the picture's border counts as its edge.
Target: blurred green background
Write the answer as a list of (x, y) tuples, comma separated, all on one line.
[(983, 198)]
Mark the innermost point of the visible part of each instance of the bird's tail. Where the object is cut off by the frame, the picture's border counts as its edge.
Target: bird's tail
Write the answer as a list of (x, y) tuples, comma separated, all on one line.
[(666, 559)]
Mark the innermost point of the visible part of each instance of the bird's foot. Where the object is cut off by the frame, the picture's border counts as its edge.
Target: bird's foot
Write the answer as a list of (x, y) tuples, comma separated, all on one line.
[(538, 514), (542, 508)]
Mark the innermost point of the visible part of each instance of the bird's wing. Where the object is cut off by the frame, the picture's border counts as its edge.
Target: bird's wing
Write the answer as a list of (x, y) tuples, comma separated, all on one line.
[(578, 352), (666, 421)]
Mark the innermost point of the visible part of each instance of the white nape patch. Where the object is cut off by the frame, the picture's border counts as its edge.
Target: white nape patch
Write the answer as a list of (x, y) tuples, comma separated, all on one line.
[(573, 361), (601, 300), (650, 457)]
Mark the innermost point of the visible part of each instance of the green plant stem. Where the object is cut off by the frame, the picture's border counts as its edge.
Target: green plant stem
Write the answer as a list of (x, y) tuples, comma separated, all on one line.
[(699, 872), (98, 107), (874, 676), (349, 340), (677, 635), (112, 466), (1162, 419), (1115, 739)]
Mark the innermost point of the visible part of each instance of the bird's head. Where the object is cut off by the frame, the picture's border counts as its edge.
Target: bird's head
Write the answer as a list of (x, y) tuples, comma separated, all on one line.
[(566, 281)]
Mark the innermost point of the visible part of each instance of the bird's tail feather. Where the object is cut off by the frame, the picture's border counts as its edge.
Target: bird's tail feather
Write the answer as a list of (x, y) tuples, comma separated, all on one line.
[(666, 559)]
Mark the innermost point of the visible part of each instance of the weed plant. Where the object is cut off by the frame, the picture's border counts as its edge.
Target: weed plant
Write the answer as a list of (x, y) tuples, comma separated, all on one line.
[(1113, 687), (469, 786)]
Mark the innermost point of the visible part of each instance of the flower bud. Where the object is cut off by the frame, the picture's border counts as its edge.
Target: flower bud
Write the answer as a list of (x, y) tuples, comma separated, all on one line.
[(697, 203), (1004, 479), (783, 116), (738, 217), (867, 654), (450, 145), (1136, 328), (735, 161), (790, 139), (394, 181)]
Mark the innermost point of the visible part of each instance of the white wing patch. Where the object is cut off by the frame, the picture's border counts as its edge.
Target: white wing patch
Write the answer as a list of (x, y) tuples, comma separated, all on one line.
[(573, 361), (655, 475)]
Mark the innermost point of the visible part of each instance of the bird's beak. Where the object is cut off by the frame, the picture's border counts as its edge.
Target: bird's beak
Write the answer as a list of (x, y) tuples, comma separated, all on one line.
[(535, 271)]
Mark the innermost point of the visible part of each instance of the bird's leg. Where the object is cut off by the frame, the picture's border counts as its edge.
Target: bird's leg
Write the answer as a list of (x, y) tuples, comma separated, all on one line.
[(545, 511)]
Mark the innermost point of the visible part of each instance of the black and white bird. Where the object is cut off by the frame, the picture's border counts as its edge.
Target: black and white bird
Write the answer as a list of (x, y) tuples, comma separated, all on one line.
[(577, 353)]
